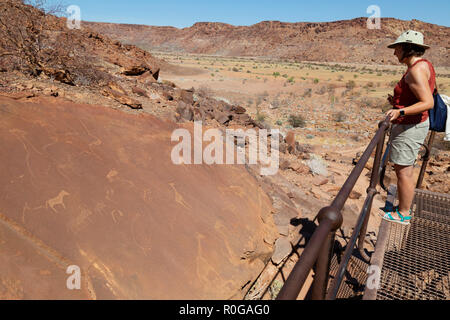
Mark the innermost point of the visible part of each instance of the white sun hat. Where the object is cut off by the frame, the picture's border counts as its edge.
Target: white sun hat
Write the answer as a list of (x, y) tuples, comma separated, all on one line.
[(410, 36)]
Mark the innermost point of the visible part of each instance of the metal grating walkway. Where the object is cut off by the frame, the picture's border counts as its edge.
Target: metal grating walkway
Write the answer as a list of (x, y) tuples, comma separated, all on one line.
[(352, 287), (415, 259)]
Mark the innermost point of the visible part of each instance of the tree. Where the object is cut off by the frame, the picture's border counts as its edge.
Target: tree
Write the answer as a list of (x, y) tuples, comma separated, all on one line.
[(24, 33)]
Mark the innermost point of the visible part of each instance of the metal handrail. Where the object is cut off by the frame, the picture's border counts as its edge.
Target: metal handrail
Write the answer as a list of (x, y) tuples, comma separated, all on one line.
[(319, 249)]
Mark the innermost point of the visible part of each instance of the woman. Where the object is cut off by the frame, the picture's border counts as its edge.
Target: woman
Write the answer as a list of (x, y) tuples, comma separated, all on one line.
[(413, 97)]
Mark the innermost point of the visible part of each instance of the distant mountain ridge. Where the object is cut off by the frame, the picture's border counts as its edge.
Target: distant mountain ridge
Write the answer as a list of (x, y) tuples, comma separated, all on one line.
[(339, 41)]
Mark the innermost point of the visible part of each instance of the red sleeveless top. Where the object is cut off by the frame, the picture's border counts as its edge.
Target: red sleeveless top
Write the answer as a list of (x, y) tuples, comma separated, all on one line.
[(404, 97)]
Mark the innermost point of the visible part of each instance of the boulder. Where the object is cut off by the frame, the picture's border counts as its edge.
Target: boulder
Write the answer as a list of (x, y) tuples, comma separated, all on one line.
[(285, 164), (355, 195), (135, 70), (139, 92), (122, 98), (283, 248), (290, 142), (221, 117), (117, 87), (199, 115), (320, 181), (147, 77), (300, 168), (60, 75), (238, 109), (186, 97), (185, 111)]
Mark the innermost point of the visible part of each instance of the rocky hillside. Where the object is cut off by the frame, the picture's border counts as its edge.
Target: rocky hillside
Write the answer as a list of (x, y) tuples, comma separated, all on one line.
[(86, 66), (339, 41)]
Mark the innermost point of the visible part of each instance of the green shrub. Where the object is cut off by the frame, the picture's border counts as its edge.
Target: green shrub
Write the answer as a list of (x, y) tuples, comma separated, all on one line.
[(350, 85), (296, 121), (260, 117), (339, 116)]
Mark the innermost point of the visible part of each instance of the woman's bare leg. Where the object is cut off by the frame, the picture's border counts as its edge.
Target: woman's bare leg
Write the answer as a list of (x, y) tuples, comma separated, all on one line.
[(406, 188)]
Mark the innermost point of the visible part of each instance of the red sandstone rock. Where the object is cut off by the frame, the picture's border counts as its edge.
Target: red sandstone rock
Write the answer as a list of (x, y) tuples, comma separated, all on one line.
[(355, 195), (95, 187), (290, 141), (122, 98), (139, 91), (320, 181)]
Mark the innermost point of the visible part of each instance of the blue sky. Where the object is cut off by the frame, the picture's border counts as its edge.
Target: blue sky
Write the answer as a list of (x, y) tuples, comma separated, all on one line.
[(184, 13)]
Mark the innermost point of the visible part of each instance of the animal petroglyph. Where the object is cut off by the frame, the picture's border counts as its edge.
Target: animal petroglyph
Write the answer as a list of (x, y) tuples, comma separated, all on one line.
[(110, 176), (97, 141), (220, 228), (205, 271), (116, 213), (58, 200), (179, 198)]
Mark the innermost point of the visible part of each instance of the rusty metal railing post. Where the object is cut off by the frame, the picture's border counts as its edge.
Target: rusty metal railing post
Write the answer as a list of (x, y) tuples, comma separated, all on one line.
[(426, 158), (329, 221), (323, 263), (372, 190)]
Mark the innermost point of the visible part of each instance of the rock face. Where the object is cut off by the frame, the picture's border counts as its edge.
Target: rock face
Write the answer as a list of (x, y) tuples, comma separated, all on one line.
[(94, 187), (283, 248), (339, 41), (122, 98)]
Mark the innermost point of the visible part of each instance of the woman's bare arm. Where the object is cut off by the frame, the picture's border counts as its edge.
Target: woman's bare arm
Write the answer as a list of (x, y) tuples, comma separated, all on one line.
[(417, 79)]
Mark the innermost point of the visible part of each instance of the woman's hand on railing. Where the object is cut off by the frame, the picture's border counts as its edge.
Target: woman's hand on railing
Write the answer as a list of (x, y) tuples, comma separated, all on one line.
[(394, 114)]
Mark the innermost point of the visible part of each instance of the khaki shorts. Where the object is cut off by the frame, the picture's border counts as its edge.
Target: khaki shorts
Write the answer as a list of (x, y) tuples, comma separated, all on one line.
[(406, 142)]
